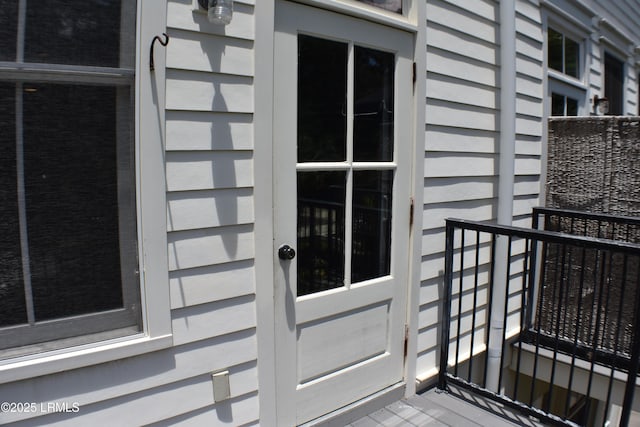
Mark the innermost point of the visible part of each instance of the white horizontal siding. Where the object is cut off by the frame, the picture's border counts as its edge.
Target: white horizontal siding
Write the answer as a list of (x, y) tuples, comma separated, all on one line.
[(210, 204), (142, 374), (200, 322), (452, 139), (207, 130), (196, 90), (196, 51), (209, 170), (209, 208), (211, 283), (198, 248), (460, 165)]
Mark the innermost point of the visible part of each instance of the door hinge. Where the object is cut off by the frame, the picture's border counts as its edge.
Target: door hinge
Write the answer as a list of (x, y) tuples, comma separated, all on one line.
[(414, 72), (411, 212), (406, 341)]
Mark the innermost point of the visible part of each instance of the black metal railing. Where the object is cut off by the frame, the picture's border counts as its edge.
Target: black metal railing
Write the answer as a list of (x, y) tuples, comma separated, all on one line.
[(544, 321)]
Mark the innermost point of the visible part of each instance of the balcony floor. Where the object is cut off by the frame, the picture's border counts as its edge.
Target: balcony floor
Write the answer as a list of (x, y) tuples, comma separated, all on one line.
[(457, 408)]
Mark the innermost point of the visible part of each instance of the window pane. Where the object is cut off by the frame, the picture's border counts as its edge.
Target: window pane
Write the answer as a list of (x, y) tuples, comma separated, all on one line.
[(71, 180), (572, 107), (371, 252), (373, 105), (8, 30), (572, 57), (557, 105), (392, 5), (321, 224), (88, 32), (322, 91), (555, 48), (12, 302)]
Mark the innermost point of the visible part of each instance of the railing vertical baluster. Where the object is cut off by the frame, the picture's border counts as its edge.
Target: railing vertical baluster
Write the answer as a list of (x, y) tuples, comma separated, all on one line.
[(506, 311), (600, 267), (531, 288), (460, 294), (489, 308), (545, 252), (446, 306), (523, 305), (617, 329), (577, 329), (476, 273), (630, 387), (557, 326)]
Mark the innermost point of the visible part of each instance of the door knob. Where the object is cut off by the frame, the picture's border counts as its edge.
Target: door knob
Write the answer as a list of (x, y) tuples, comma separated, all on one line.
[(286, 252)]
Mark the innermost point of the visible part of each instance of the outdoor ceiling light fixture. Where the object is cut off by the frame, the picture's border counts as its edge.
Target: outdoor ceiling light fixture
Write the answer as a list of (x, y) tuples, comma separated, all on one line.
[(218, 11), (600, 105)]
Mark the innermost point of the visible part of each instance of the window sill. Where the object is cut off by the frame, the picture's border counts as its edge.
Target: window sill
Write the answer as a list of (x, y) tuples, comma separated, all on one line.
[(78, 357)]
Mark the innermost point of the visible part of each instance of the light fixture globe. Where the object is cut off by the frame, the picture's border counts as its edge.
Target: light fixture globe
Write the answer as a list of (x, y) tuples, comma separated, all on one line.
[(218, 11)]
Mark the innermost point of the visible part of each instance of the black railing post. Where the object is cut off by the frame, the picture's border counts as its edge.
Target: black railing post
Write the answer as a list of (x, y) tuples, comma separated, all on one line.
[(446, 307)]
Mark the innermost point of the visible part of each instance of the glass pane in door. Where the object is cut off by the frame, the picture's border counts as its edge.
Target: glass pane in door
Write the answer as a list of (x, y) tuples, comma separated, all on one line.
[(372, 202), (373, 105), (322, 94), (321, 230)]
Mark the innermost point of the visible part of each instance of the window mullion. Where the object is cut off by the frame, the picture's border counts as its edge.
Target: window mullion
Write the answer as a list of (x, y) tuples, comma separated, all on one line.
[(22, 206), (22, 21), (349, 193)]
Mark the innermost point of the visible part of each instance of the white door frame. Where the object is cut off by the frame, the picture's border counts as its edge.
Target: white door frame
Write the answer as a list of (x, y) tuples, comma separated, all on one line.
[(265, 261)]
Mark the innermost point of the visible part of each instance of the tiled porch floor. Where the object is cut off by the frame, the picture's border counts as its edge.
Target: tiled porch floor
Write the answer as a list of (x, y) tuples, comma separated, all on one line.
[(433, 408)]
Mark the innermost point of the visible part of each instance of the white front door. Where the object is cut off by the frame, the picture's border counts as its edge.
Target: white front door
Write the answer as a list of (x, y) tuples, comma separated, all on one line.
[(342, 120)]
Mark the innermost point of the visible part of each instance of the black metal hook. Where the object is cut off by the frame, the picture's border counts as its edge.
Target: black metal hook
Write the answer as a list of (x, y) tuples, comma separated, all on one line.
[(153, 42)]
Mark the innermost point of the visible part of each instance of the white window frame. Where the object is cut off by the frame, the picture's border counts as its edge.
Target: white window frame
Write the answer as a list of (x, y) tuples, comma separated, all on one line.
[(150, 179), (407, 21), (557, 81)]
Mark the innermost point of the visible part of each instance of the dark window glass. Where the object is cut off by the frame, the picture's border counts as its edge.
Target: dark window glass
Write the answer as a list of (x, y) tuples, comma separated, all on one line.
[(322, 110), (392, 5), (12, 300), (71, 183), (557, 105), (555, 50), (371, 248), (321, 231), (571, 57), (614, 84), (563, 53), (86, 32), (373, 105), (572, 107), (8, 30)]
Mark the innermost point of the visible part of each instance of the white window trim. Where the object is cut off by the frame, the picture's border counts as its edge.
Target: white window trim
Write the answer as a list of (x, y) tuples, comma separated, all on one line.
[(152, 226), (557, 81), (407, 21)]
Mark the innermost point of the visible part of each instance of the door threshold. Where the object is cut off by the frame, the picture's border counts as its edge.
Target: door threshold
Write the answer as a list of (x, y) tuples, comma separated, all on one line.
[(360, 408)]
